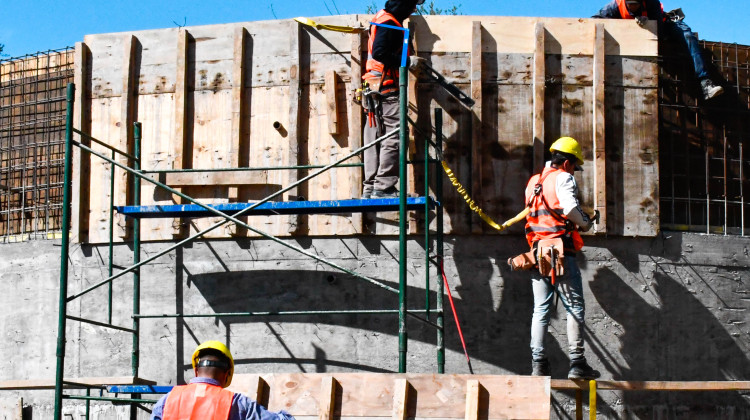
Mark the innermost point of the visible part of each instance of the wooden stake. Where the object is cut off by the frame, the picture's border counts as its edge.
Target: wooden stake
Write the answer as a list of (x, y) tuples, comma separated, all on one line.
[(600, 154), (539, 89), (476, 123), (472, 400), (400, 399), (327, 398)]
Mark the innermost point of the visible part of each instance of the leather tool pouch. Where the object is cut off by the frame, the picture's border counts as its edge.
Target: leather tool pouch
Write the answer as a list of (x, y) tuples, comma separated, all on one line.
[(546, 249), (525, 261)]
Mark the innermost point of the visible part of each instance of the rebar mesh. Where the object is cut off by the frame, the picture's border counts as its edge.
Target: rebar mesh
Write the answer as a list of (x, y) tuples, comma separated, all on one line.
[(32, 133), (704, 158)]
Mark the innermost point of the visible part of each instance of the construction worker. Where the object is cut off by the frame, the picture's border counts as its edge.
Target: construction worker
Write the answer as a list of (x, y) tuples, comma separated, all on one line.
[(205, 397), (670, 24), (382, 97), (556, 213)]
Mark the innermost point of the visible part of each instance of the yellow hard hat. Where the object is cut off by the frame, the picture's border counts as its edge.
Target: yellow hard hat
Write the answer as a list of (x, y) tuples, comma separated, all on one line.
[(568, 145), (219, 346)]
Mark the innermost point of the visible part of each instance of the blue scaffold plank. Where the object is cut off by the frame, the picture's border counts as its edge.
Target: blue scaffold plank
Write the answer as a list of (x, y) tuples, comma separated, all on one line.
[(277, 208), (139, 389)]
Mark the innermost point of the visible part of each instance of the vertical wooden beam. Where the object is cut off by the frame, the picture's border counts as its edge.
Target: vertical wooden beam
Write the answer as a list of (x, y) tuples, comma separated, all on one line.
[(81, 161), (327, 398), (472, 400), (600, 162), (238, 104), (331, 86), (179, 226), (295, 132), (476, 123), (259, 390), (127, 118), (412, 103), (539, 88), (355, 123), (400, 399)]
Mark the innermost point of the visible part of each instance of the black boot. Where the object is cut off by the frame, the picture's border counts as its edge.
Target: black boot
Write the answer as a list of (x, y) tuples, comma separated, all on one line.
[(579, 369), (540, 367)]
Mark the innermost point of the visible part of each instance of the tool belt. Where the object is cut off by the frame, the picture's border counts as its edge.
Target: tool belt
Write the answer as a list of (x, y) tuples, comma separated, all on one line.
[(547, 255)]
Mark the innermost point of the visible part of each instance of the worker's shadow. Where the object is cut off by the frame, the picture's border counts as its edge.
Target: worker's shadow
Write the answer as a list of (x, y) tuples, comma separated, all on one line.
[(666, 333)]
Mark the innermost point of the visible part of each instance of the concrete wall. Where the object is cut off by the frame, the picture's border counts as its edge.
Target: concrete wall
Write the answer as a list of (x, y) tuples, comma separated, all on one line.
[(673, 307)]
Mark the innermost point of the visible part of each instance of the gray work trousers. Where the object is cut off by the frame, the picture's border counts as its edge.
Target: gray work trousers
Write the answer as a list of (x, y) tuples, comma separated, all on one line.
[(570, 287), (381, 161)]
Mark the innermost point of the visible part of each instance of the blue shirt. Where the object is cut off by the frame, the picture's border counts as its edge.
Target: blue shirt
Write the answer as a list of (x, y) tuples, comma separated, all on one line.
[(243, 408)]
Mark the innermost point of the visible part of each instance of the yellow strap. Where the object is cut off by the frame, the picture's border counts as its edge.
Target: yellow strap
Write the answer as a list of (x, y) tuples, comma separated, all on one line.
[(312, 23), (461, 190)]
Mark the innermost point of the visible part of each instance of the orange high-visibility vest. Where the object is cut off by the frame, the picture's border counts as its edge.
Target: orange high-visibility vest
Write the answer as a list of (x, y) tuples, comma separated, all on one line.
[(540, 222), (625, 13), (375, 68), (198, 401)]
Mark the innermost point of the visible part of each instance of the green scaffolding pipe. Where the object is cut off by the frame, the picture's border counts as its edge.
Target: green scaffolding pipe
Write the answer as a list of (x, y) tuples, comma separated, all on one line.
[(101, 143), (439, 240), (135, 360), (111, 234), (60, 352), (233, 219), (403, 147), (412, 313), (99, 324)]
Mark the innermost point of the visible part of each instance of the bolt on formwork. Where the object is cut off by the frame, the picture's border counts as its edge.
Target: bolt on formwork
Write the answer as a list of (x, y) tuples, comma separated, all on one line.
[(32, 137)]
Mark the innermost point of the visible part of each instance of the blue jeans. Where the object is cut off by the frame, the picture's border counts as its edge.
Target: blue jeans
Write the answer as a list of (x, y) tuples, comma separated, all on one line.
[(570, 289), (679, 31)]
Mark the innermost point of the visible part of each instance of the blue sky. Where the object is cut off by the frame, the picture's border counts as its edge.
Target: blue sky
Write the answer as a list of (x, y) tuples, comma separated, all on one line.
[(29, 26)]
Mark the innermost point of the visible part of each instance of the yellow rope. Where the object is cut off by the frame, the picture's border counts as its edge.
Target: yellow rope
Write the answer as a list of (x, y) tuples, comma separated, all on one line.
[(473, 206), (312, 23)]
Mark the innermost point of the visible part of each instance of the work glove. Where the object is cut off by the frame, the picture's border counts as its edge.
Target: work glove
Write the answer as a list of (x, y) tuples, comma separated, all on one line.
[(641, 20), (417, 65)]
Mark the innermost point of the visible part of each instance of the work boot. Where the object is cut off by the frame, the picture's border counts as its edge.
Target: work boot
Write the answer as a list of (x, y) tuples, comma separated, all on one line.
[(390, 192), (367, 193), (540, 367), (579, 369), (710, 90)]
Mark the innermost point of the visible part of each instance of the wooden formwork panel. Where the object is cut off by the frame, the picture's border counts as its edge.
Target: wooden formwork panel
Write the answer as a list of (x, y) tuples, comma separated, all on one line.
[(275, 93), (399, 396)]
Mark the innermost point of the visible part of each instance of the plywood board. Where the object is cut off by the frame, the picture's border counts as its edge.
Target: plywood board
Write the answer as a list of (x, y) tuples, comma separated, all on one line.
[(190, 93)]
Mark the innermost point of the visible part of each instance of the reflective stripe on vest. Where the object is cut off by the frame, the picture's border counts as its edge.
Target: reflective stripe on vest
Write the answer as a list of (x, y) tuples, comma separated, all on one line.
[(540, 223), (199, 401), (374, 67)]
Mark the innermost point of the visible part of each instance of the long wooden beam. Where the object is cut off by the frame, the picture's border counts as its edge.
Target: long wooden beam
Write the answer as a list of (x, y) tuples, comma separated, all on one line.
[(232, 179), (355, 122), (566, 384), (600, 154), (81, 161), (182, 144), (127, 118), (538, 102), (477, 224)]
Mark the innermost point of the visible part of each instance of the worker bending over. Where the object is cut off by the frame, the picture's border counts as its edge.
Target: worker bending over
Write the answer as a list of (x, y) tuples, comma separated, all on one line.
[(671, 25), (205, 397), (381, 97), (555, 213)]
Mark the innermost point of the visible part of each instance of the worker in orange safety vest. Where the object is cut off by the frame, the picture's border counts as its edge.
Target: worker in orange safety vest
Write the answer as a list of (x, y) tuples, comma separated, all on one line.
[(671, 25), (555, 213), (205, 397), (384, 51)]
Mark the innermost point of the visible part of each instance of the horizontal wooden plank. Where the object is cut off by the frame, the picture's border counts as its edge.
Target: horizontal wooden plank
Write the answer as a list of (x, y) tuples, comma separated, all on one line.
[(563, 384), (50, 383), (223, 178)]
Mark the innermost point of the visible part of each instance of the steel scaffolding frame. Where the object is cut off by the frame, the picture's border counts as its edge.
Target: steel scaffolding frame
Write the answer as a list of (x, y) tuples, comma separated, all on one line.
[(137, 175)]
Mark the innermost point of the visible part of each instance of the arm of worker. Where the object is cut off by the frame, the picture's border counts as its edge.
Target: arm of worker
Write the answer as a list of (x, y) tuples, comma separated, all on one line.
[(609, 11), (567, 193), (158, 410), (245, 408)]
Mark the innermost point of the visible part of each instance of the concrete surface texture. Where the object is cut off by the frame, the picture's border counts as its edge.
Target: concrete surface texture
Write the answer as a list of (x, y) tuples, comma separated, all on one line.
[(673, 307)]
